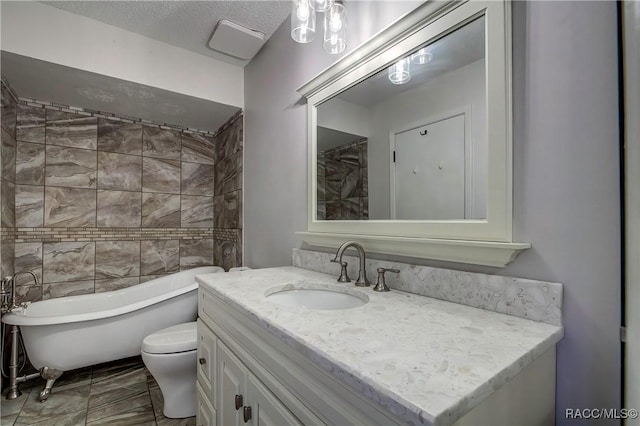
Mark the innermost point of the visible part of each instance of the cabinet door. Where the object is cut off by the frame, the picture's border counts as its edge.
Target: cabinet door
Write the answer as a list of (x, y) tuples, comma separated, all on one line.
[(232, 384), (206, 415), (266, 409), (207, 361)]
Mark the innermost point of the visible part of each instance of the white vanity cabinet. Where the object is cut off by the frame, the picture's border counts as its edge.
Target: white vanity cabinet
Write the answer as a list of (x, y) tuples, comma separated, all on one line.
[(230, 394), (243, 398), (264, 376), (280, 386), (232, 388), (206, 414), (207, 360), (205, 385)]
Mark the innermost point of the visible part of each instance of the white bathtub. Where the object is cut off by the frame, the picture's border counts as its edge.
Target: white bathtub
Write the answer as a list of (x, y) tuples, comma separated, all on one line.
[(78, 331)]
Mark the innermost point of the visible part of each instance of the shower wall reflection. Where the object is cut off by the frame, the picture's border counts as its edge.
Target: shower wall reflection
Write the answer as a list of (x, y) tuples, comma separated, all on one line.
[(343, 182), (7, 180)]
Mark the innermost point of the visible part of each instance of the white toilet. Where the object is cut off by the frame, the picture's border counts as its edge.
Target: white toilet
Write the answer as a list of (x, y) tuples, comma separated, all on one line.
[(170, 355)]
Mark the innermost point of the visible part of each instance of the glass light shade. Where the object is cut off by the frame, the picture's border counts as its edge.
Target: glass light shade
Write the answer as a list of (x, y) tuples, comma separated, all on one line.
[(335, 29), (399, 73), (303, 21), (421, 57), (321, 5)]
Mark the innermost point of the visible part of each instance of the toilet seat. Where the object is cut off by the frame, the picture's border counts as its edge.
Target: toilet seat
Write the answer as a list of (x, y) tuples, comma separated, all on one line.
[(179, 338)]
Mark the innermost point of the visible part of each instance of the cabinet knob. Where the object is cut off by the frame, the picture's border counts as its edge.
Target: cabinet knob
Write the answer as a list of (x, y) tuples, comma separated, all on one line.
[(202, 361), (238, 402), (246, 415)]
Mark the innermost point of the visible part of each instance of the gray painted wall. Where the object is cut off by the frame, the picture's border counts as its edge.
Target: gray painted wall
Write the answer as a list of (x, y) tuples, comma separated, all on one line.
[(275, 131), (566, 170)]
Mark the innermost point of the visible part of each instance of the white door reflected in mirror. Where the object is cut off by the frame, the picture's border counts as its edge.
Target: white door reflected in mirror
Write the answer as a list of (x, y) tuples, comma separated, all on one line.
[(428, 167)]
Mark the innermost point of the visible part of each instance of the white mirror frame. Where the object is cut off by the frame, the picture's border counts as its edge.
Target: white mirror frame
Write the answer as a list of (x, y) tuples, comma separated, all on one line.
[(486, 242)]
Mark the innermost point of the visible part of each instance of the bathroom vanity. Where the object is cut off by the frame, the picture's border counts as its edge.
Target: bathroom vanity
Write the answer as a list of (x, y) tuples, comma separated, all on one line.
[(453, 347), (398, 358)]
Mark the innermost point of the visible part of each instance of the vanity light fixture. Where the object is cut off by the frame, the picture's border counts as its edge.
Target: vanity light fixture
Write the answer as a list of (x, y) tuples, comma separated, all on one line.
[(399, 73), (303, 23), (335, 29), (421, 57)]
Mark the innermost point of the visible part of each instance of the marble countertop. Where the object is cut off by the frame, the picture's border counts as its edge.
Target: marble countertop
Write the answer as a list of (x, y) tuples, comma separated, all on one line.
[(425, 360)]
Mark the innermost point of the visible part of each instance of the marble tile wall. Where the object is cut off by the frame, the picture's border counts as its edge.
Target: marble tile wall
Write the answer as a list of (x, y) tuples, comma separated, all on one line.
[(8, 113), (227, 193), (342, 182), (103, 203)]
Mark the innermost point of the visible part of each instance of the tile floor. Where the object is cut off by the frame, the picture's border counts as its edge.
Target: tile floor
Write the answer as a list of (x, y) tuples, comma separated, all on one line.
[(119, 393)]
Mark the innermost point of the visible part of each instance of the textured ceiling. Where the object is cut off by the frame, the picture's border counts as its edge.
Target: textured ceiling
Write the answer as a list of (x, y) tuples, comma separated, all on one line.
[(32, 78), (185, 24)]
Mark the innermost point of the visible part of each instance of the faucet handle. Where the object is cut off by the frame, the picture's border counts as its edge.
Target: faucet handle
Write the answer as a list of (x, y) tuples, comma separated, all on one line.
[(381, 285), (344, 277)]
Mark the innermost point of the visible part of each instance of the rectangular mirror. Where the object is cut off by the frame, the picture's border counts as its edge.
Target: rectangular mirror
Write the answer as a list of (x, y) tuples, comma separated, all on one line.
[(409, 142), (410, 138)]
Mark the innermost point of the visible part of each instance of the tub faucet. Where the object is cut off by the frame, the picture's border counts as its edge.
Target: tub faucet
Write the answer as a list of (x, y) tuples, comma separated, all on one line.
[(14, 368), (5, 294), (362, 280), (13, 286)]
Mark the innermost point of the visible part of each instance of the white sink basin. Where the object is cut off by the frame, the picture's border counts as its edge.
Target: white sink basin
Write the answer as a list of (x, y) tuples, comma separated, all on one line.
[(316, 296)]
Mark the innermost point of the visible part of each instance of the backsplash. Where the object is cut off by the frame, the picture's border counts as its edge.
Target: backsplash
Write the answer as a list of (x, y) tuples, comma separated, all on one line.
[(535, 300), (105, 202)]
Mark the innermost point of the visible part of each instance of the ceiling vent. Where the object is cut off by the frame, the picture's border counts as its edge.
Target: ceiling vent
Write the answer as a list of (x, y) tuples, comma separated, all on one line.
[(235, 40)]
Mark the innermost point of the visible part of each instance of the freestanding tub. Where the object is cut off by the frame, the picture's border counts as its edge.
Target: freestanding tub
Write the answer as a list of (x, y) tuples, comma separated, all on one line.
[(78, 331)]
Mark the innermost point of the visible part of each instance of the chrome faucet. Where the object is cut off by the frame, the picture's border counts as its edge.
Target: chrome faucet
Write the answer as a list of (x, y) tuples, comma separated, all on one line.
[(5, 294), (14, 363), (362, 280), (13, 286)]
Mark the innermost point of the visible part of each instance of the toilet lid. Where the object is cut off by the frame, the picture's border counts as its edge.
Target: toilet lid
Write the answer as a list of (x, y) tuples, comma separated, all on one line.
[(179, 338)]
